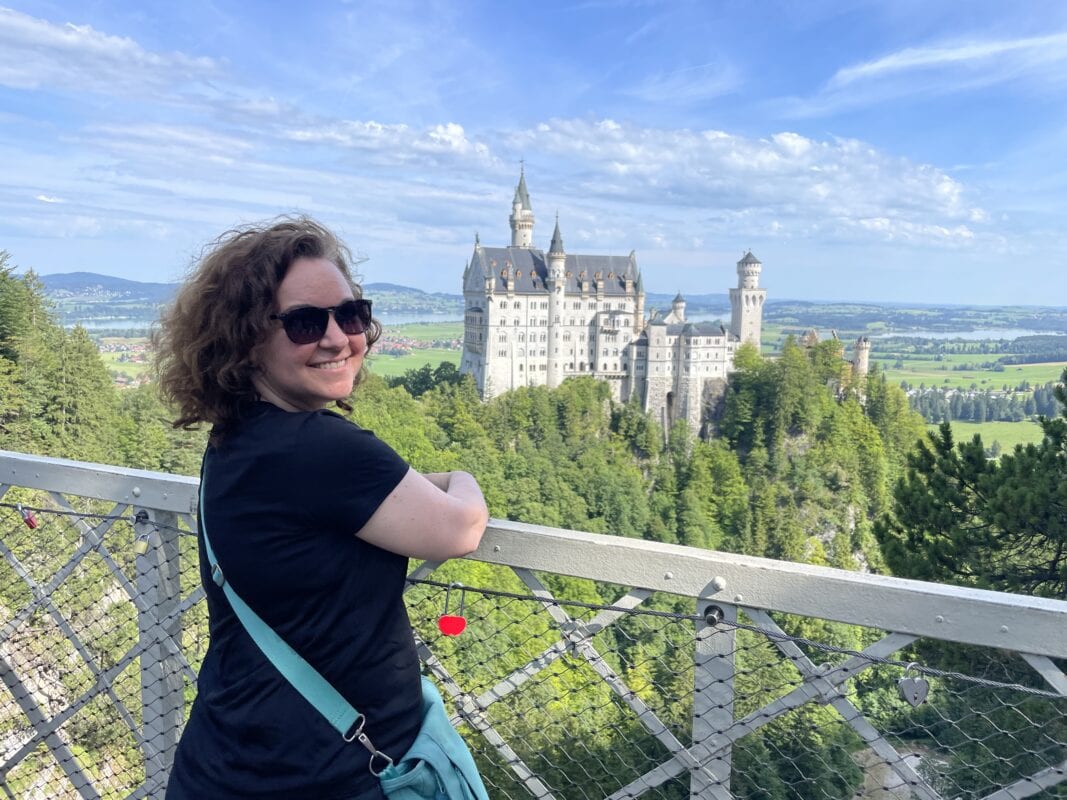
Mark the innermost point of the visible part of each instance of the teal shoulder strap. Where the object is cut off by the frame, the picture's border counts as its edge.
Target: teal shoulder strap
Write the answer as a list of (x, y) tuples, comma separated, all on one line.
[(305, 678)]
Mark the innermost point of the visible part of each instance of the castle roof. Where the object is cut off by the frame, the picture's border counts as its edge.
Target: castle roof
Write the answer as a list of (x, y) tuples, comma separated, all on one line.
[(521, 195), (678, 298), (748, 258), (529, 269), (557, 240), (695, 329), (686, 329)]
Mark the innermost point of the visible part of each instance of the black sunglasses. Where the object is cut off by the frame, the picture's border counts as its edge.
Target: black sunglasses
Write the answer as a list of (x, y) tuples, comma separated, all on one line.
[(308, 324)]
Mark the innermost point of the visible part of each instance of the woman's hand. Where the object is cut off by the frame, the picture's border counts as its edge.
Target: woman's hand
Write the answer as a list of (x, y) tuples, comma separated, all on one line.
[(434, 516)]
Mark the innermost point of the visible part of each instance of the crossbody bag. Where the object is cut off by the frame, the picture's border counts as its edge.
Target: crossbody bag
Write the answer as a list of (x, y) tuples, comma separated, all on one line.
[(437, 766)]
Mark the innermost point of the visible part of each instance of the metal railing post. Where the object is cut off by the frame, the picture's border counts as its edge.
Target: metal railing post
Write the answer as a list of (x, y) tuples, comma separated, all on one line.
[(713, 693), (162, 687)]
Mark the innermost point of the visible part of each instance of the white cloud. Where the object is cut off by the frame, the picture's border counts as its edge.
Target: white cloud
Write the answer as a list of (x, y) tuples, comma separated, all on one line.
[(44, 198), (395, 143), (786, 183), (1031, 53), (37, 54), (938, 68), (699, 82)]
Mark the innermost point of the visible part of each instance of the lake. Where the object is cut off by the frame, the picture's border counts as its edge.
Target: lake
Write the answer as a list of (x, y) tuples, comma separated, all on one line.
[(975, 335)]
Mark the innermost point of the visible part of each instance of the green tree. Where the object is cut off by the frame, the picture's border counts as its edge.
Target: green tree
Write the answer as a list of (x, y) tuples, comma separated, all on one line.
[(960, 517)]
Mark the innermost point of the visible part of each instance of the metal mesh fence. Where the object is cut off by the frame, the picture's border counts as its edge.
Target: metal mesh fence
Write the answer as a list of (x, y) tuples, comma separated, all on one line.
[(565, 688)]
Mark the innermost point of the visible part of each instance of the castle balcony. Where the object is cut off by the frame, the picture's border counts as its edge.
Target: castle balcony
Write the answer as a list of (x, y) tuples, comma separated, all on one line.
[(591, 666)]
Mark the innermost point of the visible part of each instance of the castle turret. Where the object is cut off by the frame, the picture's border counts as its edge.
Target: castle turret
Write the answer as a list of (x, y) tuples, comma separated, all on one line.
[(861, 355), (678, 307), (746, 301), (639, 306), (556, 283), (522, 216)]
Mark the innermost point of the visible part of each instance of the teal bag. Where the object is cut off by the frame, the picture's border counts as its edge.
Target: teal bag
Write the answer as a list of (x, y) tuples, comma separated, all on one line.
[(437, 766)]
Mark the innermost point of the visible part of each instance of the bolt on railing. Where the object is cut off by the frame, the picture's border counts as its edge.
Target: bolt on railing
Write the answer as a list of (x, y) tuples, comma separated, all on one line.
[(588, 666)]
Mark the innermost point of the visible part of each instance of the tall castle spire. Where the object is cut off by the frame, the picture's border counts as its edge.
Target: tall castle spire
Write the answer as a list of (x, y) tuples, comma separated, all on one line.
[(556, 283), (522, 216)]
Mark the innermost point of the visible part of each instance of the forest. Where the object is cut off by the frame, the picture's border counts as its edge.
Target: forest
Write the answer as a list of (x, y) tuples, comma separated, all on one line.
[(797, 464)]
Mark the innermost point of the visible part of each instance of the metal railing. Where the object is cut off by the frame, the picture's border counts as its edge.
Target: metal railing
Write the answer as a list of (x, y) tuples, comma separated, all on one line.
[(591, 667)]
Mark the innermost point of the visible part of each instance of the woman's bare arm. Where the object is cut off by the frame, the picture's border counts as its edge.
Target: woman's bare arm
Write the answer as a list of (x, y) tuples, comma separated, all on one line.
[(435, 516)]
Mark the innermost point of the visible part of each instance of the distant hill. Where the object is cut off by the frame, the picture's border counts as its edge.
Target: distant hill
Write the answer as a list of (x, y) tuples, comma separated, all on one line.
[(92, 287), (102, 302)]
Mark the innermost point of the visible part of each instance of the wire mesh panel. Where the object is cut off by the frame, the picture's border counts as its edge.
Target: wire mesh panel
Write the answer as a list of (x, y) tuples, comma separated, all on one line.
[(564, 687), (89, 663)]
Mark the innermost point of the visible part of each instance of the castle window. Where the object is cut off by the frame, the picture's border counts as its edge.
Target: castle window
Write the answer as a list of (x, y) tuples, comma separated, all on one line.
[(517, 304), (581, 367), (516, 321), (520, 367), (522, 337), (503, 322), (503, 303), (503, 337)]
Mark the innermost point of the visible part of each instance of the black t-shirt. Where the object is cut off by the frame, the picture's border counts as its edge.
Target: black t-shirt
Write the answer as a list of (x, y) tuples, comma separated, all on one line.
[(284, 495)]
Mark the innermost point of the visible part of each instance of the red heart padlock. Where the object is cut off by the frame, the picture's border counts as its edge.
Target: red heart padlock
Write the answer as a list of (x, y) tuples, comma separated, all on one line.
[(27, 517), (453, 624)]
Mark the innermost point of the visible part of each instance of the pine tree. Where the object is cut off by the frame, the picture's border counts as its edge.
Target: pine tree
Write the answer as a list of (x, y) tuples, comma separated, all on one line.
[(958, 516)]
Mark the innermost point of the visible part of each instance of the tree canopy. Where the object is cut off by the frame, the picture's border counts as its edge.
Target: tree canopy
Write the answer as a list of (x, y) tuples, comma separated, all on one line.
[(960, 517)]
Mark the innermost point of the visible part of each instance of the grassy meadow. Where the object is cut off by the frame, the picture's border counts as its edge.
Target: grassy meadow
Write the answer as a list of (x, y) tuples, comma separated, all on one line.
[(1008, 434), (425, 331), (393, 366), (943, 374)]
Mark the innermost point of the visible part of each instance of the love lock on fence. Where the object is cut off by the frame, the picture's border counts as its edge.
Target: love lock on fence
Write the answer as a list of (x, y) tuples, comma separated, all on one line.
[(453, 624), (913, 687)]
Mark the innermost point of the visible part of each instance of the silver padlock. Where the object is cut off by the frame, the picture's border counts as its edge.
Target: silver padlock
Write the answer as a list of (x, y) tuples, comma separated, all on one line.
[(913, 688)]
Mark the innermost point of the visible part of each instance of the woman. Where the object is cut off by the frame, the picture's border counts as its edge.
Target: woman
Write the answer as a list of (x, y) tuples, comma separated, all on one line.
[(311, 518)]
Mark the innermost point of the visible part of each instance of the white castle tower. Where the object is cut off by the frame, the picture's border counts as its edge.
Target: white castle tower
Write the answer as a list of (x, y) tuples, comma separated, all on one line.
[(522, 216), (555, 283), (861, 358), (746, 301)]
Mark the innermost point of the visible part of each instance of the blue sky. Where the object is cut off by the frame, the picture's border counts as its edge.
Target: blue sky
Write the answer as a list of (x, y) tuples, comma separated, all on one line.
[(900, 151)]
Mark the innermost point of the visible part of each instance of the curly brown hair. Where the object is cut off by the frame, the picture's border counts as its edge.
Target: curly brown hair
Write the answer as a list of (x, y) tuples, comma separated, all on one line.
[(205, 338)]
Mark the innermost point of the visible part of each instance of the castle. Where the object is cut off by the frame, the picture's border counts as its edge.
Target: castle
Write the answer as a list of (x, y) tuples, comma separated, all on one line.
[(533, 318)]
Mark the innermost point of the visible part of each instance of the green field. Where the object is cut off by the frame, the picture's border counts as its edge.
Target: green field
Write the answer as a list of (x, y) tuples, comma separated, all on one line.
[(426, 331), (132, 369), (393, 366), (1008, 434), (941, 373)]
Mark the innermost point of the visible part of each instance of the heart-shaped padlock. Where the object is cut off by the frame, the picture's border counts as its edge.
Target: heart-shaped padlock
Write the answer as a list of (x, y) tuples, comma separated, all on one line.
[(453, 624), (913, 688), (27, 516)]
